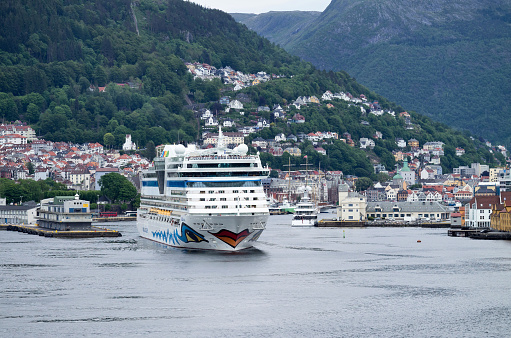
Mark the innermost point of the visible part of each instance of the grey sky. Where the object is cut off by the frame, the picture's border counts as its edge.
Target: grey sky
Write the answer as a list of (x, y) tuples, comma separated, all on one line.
[(262, 6)]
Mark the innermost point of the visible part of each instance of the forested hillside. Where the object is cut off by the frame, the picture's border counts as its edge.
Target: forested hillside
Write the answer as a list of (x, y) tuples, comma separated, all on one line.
[(448, 60), (76, 70)]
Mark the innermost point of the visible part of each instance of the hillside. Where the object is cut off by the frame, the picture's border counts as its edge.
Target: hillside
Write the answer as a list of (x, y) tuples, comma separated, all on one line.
[(93, 71), (448, 60)]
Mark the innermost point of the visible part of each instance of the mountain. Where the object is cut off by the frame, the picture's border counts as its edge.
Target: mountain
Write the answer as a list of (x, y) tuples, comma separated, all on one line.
[(279, 27), (93, 71), (450, 60)]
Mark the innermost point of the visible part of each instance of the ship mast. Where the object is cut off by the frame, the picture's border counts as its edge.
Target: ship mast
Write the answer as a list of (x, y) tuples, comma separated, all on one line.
[(306, 175), (288, 179)]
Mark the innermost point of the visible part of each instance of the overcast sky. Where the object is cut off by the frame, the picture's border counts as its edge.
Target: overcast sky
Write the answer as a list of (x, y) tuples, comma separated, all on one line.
[(262, 6)]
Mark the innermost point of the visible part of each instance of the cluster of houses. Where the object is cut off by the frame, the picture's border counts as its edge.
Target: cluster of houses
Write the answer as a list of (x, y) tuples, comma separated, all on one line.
[(228, 75), (78, 166)]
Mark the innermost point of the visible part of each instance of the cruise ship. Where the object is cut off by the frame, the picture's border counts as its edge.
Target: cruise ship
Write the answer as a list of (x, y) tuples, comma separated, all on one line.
[(204, 198)]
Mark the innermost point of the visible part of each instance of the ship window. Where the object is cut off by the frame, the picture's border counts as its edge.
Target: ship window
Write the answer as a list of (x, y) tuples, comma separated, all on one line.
[(221, 191), (211, 192), (202, 199), (252, 191), (212, 199), (202, 192), (223, 199), (224, 206)]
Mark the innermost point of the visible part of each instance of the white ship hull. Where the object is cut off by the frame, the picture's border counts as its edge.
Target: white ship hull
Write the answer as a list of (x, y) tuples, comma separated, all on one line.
[(304, 222), (226, 233)]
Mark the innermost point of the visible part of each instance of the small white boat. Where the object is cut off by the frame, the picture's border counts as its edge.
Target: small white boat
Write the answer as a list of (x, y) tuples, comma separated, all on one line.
[(306, 213)]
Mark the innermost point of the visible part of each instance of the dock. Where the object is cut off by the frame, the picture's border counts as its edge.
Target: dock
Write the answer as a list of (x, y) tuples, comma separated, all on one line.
[(92, 232), (324, 223), (479, 233), (114, 219), (457, 232)]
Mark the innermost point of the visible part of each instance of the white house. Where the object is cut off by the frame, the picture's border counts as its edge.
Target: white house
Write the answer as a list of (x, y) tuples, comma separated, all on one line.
[(280, 137), (211, 122), (235, 104), (366, 143), (229, 123), (206, 115), (391, 194), (327, 96), (401, 143)]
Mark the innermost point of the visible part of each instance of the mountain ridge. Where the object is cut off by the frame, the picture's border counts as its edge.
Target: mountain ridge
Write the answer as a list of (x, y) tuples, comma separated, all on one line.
[(439, 58)]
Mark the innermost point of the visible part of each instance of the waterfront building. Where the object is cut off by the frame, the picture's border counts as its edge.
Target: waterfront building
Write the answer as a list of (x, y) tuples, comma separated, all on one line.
[(18, 214), (64, 213), (479, 210), (408, 211), (352, 205)]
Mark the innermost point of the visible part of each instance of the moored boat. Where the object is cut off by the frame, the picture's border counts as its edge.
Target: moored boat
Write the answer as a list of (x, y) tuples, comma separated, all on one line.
[(306, 213)]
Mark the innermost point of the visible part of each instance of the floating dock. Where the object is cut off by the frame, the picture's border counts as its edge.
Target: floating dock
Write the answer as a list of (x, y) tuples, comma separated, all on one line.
[(92, 232)]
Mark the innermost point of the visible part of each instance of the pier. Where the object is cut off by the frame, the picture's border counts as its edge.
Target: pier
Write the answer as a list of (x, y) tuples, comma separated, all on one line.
[(114, 219), (91, 232), (479, 233), (379, 224)]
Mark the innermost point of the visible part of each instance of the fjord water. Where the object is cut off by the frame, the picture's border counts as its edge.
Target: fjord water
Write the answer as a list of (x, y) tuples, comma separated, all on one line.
[(298, 282)]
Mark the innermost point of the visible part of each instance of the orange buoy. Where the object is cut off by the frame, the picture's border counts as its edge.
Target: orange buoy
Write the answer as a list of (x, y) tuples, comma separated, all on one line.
[(418, 241)]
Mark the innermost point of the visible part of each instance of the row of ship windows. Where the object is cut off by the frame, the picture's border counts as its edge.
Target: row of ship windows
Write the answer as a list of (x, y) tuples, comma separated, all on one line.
[(223, 192), (222, 199), (217, 174), (227, 207)]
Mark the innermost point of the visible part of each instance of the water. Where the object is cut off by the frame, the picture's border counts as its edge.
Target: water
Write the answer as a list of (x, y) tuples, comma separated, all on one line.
[(305, 282)]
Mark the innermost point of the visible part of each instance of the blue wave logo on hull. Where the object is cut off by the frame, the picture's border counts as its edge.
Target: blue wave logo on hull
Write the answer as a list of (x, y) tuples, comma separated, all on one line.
[(188, 235)]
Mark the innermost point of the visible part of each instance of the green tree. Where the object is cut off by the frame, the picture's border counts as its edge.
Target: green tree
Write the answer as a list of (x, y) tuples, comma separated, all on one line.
[(382, 177), (109, 139), (363, 183), (150, 150), (117, 188), (30, 168)]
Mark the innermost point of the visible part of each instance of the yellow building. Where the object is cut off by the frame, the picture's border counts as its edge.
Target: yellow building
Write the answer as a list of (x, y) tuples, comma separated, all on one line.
[(293, 151), (313, 99), (501, 217), (494, 174), (413, 143)]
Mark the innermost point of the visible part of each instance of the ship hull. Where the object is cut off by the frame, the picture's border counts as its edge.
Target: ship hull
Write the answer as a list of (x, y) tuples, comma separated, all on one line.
[(224, 233), (304, 222)]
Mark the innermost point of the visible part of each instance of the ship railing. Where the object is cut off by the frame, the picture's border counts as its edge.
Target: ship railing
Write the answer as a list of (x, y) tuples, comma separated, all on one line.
[(220, 157)]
